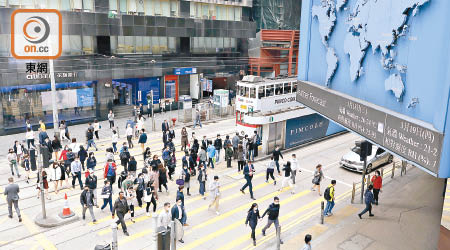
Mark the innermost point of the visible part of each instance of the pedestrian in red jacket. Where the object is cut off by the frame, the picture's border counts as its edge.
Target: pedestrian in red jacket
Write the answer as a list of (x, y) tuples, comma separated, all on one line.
[(377, 182), (110, 171)]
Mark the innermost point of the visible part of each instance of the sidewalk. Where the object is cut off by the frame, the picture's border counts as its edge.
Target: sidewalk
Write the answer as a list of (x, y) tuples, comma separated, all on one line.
[(78, 131), (408, 217)]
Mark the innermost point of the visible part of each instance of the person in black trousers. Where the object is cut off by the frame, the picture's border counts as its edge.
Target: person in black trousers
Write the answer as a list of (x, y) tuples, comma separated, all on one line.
[(248, 175), (252, 219), (273, 211), (276, 157), (120, 208), (368, 200)]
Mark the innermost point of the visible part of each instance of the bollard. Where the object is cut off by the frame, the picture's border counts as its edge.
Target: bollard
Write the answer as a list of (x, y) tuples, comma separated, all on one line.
[(368, 181), (404, 164), (393, 170), (322, 205), (114, 245), (155, 231), (278, 237), (353, 193), (173, 241), (382, 172)]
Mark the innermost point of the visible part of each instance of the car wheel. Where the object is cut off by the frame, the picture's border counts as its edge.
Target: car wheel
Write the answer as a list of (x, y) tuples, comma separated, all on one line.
[(369, 168), (390, 159)]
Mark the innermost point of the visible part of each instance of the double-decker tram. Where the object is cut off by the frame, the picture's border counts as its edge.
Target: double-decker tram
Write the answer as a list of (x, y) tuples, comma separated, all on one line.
[(269, 106)]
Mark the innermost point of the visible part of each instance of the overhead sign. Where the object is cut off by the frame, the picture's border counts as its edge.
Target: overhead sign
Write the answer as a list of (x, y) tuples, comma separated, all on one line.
[(407, 137), (184, 71)]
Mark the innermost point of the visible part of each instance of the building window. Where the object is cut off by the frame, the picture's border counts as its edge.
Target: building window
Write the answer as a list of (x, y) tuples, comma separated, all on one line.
[(139, 45), (269, 90), (252, 93), (113, 5), (4, 45), (287, 87), (238, 13), (88, 5), (174, 8), (279, 89), (71, 45), (294, 87), (88, 45), (123, 6), (146, 47), (77, 4), (2, 3), (261, 92)]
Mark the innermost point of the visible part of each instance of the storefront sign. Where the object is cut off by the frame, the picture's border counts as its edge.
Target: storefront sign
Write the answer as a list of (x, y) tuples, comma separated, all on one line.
[(37, 76), (304, 129), (184, 71), (209, 86), (411, 139)]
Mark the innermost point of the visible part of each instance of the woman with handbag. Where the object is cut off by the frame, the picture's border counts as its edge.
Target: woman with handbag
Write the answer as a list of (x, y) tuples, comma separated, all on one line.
[(318, 176), (106, 195), (150, 197), (184, 139), (163, 176), (55, 175), (186, 175)]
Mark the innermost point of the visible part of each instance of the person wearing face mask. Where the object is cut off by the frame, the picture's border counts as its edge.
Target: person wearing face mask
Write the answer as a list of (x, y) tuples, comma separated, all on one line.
[(252, 220), (177, 214), (377, 182), (187, 178), (273, 211)]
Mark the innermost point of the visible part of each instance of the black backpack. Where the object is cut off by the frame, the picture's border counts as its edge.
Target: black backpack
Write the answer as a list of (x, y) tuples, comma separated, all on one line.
[(326, 194)]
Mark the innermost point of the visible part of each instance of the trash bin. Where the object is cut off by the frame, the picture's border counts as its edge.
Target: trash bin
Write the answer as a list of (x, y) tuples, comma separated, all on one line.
[(164, 240)]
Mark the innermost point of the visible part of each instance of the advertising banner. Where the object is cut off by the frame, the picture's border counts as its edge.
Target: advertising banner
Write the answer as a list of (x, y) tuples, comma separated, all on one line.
[(304, 129), (85, 97)]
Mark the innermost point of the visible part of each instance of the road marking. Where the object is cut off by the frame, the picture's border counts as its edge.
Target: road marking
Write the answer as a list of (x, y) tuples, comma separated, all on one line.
[(40, 237), (288, 217), (225, 229)]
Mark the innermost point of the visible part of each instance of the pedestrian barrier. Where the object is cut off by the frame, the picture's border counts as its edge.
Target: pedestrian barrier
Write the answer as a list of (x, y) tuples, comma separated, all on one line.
[(321, 211), (279, 237)]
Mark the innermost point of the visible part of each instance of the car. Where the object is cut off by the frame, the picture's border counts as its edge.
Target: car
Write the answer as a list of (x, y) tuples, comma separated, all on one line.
[(378, 158)]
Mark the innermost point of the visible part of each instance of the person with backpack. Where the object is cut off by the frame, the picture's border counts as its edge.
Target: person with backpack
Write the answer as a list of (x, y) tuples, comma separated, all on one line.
[(110, 171), (368, 199), (228, 155), (252, 219), (124, 157), (328, 195)]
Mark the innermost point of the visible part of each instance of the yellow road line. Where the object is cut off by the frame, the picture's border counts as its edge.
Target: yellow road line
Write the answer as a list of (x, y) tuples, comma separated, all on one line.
[(225, 229), (40, 237)]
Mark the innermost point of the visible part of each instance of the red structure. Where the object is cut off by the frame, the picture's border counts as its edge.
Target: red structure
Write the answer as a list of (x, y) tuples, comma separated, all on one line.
[(277, 47)]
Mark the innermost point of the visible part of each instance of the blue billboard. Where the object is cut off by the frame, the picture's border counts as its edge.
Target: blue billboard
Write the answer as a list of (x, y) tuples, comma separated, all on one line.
[(85, 97), (389, 53), (184, 71), (308, 128)]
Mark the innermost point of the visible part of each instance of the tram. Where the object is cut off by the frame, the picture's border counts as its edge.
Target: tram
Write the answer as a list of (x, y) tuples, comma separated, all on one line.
[(269, 106)]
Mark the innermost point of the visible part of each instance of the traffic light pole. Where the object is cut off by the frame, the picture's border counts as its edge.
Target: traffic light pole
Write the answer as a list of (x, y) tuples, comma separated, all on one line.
[(363, 178), (41, 181)]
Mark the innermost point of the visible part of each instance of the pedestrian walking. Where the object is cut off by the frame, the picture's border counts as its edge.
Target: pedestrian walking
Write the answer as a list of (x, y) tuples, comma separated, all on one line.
[(186, 176), (197, 119), (162, 178), (111, 119), (368, 200), (139, 184), (184, 139), (55, 175), (318, 176), (140, 126), (75, 168), (202, 178), (269, 171), (276, 157), (307, 245), (11, 193), (26, 166), (132, 166), (202, 156), (106, 195), (273, 212), (110, 171), (75, 146), (56, 146), (328, 195), (164, 218), (252, 220), (124, 157), (143, 140), (211, 155), (114, 140), (12, 160), (227, 142), (42, 135), (91, 182), (97, 128), (128, 182), (87, 202), (165, 126), (150, 197), (121, 208), (91, 161), (228, 155), (90, 140), (218, 145), (29, 136), (214, 188), (154, 176), (287, 177), (44, 176), (178, 213), (256, 143), (171, 133), (240, 157), (131, 199), (235, 143), (294, 167), (205, 142), (377, 182), (42, 125), (129, 135), (83, 155), (172, 164), (248, 175)]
